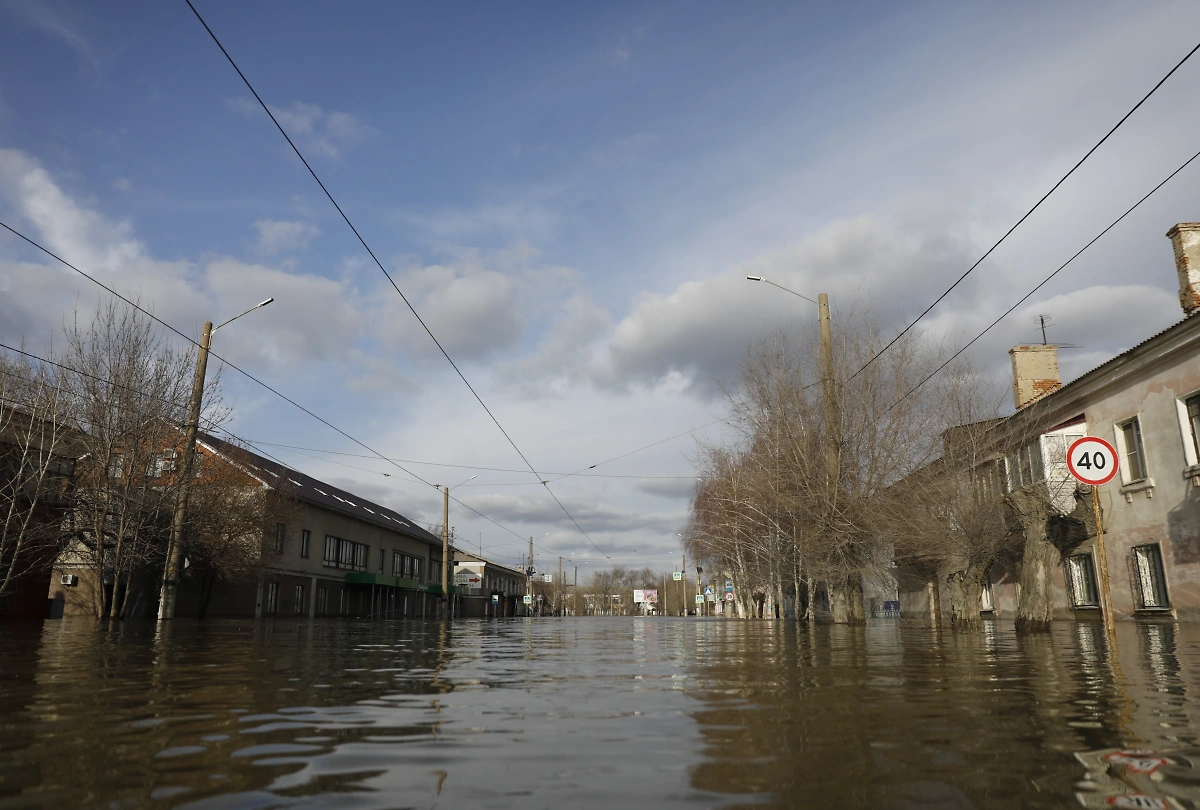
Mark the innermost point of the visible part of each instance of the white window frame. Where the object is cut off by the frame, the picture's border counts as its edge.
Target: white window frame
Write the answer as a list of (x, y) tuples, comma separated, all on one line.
[(1094, 576), (1123, 451), (1190, 458)]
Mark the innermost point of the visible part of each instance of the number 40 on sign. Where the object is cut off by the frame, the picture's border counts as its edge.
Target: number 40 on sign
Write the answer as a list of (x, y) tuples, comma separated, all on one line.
[(1092, 460)]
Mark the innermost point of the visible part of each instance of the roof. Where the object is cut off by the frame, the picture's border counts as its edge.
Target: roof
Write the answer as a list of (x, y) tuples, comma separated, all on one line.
[(461, 556), (314, 491), (1071, 388)]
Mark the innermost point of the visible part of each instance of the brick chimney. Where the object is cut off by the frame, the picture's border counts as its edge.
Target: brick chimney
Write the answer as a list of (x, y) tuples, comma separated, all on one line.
[(1185, 238), (1035, 372)]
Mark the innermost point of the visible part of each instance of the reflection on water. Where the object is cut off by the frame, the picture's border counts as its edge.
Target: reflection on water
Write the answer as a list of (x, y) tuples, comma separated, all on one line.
[(599, 712)]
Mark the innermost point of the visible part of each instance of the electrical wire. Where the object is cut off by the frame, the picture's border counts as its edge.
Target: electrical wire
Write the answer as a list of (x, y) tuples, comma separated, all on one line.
[(1047, 279), (386, 274), (1028, 213)]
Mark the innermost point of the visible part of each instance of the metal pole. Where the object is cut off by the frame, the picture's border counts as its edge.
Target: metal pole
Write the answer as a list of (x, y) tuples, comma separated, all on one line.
[(529, 578), (166, 600), (558, 590)]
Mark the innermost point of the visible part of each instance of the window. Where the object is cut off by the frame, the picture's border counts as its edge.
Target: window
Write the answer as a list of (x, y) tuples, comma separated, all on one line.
[(345, 601), (1081, 573), (397, 558), (381, 556), (1135, 453), (272, 604), (345, 554), (116, 466), (305, 542), (1149, 581), (299, 608), (1193, 420), (416, 568), (280, 531), (322, 606)]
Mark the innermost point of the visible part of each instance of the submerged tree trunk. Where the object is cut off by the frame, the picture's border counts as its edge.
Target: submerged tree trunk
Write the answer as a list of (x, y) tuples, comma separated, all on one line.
[(963, 591), (846, 601), (1037, 577)]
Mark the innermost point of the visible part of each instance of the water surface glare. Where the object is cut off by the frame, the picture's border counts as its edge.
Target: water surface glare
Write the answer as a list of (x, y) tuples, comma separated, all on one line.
[(595, 712)]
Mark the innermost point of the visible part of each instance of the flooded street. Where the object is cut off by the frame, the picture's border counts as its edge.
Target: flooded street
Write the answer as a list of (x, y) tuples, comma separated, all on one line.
[(604, 712)]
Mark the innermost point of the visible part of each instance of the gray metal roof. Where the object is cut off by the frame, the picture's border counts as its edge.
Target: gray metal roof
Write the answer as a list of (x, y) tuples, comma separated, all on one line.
[(316, 492)]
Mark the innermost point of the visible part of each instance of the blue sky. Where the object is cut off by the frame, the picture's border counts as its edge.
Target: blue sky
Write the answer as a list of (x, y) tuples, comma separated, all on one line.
[(571, 195)]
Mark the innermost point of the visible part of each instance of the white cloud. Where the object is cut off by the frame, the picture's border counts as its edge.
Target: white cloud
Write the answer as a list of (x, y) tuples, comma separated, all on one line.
[(313, 128), (122, 184), (281, 236)]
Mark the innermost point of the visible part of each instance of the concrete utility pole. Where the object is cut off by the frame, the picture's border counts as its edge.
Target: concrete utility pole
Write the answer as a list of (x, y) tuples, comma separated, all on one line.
[(529, 576), (445, 544), (683, 584), (559, 589), (166, 600), (575, 594), (832, 452)]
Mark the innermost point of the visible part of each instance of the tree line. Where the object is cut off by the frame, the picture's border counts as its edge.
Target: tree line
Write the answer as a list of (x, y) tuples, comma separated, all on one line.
[(893, 473)]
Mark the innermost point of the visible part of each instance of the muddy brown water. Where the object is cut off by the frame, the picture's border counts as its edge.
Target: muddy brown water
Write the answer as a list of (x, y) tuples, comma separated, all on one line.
[(595, 712)]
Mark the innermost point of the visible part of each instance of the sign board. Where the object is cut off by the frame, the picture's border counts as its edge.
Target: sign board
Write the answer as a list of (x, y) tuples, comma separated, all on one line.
[(650, 596), (710, 597), (467, 577), (527, 599), (699, 599), (547, 578), (495, 599), (729, 596), (639, 596), (1092, 460), (728, 585), (708, 591), (677, 576)]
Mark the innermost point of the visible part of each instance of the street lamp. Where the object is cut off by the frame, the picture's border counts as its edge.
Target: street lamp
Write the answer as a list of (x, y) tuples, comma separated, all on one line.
[(446, 538), (166, 599), (831, 414)]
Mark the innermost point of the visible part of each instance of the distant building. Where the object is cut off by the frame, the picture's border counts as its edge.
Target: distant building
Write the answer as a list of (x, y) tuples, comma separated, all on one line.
[(491, 590)]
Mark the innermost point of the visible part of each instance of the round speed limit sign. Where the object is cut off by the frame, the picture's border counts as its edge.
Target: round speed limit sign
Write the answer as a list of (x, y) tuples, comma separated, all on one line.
[(1092, 460)]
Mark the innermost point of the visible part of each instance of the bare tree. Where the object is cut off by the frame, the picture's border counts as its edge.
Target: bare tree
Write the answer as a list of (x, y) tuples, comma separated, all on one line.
[(37, 450), (128, 393)]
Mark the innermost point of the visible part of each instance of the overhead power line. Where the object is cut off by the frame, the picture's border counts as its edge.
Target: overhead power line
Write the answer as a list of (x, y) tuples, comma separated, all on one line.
[(1047, 279), (386, 274), (213, 426), (1028, 213)]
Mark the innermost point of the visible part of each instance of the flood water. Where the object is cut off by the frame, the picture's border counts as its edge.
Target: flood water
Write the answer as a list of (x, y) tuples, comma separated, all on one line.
[(595, 712)]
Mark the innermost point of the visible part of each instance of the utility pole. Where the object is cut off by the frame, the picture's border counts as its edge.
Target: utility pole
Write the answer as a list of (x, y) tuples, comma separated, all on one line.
[(683, 584), (559, 589), (445, 545), (529, 575), (166, 601), (575, 593), (831, 413)]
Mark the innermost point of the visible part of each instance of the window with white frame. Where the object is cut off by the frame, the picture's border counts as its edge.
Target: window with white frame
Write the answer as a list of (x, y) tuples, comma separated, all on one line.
[(272, 604), (305, 542), (1081, 574), (1133, 452), (1149, 579), (1188, 408)]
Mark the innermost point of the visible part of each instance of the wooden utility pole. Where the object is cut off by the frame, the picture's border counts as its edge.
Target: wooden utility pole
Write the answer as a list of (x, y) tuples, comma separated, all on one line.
[(1110, 623), (166, 601), (832, 452)]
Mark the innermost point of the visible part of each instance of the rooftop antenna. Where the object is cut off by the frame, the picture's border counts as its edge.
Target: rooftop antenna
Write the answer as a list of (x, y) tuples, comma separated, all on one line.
[(1043, 320)]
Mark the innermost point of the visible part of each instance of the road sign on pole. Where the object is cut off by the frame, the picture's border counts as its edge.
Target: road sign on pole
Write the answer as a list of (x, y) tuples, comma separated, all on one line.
[(528, 599), (699, 599), (1092, 460), (677, 576)]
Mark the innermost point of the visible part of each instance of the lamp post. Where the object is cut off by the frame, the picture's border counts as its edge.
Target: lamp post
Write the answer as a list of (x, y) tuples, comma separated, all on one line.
[(832, 455), (166, 599), (446, 538)]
